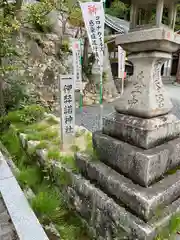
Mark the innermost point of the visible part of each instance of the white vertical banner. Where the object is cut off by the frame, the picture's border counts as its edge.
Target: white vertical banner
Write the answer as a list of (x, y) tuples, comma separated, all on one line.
[(121, 62), (67, 109), (77, 68), (94, 19)]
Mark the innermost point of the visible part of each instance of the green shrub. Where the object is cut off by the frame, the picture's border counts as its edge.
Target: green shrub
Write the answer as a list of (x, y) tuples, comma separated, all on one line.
[(13, 145), (30, 177), (37, 15), (27, 115), (16, 95), (65, 46), (44, 135), (47, 206), (54, 154)]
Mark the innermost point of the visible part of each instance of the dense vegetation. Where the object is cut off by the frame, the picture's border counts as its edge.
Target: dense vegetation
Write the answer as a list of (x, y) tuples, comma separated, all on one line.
[(47, 200)]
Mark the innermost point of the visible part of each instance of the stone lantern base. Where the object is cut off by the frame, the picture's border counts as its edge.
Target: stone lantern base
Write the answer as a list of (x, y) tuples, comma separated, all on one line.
[(129, 191), (132, 184)]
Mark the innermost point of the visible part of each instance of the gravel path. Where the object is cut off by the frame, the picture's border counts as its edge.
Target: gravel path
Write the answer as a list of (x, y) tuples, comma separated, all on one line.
[(90, 116)]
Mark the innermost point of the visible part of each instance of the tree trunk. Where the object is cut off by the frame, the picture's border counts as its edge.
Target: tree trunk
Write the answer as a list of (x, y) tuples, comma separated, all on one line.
[(18, 6)]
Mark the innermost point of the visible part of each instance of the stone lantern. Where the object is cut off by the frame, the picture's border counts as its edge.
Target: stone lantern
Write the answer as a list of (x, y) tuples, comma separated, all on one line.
[(149, 45), (139, 145)]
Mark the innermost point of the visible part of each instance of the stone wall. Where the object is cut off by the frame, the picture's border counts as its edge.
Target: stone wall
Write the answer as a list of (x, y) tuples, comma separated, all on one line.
[(43, 62)]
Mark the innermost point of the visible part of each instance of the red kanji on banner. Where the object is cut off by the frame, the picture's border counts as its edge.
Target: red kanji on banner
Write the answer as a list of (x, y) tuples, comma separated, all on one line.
[(76, 45), (92, 9)]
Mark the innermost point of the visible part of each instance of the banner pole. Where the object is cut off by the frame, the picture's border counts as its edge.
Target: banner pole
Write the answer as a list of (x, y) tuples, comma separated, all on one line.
[(81, 89), (101, 98), (101, 84)]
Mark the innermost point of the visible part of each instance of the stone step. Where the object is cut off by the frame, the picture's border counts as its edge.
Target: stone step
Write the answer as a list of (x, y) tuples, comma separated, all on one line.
[(142, 132), (4, 216), (144, 202), (7, 231), (142, 166), (107, 219), (2, 207)]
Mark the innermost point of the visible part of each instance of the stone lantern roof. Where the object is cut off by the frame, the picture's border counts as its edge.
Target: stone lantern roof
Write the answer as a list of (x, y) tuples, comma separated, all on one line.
[(141, 13)]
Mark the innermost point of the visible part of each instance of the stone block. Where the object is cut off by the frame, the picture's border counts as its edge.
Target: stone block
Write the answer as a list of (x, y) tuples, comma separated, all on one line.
[(145, 133), (145, 95), (144, 202), (142, 166), (150, 39), (107, 219)]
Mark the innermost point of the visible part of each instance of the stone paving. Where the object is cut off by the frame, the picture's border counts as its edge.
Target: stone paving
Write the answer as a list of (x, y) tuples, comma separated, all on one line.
[(90, 116), (6, 227)]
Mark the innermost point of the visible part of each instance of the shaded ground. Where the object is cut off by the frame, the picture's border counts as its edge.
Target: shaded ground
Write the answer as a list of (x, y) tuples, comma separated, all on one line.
[(6, 227)]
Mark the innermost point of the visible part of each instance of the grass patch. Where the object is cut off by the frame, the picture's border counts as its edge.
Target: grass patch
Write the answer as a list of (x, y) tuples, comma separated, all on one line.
[(169, 233), (28, 115), (11, 141), (53, 154), (51, 120), (37, 127), (44, 135), (75, 148), (30, 177), (48, 204), (69, 162), (42, 145)]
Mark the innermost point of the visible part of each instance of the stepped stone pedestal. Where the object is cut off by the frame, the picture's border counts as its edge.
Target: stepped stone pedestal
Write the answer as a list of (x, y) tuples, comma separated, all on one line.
[(137, 153), (137, 158)]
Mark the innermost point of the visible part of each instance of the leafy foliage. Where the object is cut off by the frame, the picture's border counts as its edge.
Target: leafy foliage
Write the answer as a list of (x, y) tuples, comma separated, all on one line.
[(46, 205), (169, 233), (118, 9), (37, 15), (177, 27), (30, 177), (27, 115)]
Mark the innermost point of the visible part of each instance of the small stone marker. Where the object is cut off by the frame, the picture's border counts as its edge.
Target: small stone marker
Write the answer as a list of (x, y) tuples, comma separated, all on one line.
[(67, 109)]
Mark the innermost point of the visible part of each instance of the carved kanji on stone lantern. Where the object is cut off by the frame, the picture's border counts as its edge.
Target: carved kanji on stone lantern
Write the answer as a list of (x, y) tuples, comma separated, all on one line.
[(149, 45)]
